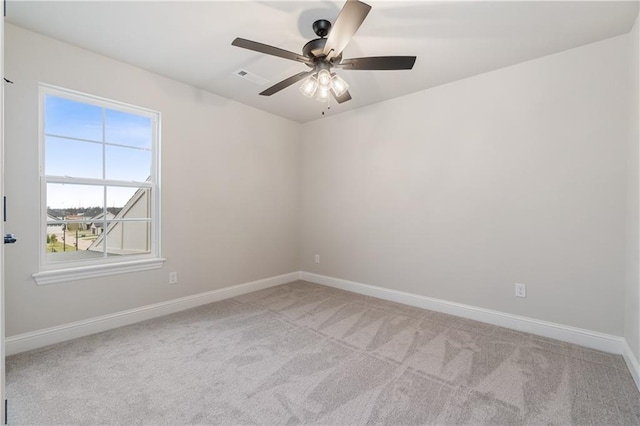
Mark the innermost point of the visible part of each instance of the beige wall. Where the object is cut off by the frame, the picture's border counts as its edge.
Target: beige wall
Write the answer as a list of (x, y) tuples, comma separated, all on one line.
[(632, 293), (460, 191), (456, 192), (229, 187)]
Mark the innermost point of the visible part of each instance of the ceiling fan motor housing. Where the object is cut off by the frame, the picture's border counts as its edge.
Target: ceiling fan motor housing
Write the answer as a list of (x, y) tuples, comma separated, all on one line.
[(315, 48)]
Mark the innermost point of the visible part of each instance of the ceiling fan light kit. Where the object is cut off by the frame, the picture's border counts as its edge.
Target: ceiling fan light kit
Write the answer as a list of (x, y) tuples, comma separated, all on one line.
[(322, 85), (325, 52)]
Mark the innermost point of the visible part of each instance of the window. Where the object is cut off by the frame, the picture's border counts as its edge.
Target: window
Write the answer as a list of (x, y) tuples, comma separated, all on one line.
[(99, 186)]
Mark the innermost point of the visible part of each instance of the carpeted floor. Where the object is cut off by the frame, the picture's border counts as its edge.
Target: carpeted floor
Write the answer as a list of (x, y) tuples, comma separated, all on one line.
[(302, 353)]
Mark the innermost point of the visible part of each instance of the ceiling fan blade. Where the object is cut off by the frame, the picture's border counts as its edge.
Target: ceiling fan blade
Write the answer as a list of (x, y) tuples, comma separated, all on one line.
[(340, 99), (286, 83), (347, 23), (269, 50), (379, 63)]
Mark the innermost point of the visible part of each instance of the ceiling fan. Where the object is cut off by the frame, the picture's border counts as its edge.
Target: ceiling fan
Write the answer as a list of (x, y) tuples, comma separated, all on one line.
[(324, 53)]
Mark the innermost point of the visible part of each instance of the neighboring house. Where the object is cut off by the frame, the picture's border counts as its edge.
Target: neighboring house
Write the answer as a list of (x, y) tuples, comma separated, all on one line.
[(53, 227), (124, 236), (79, 226), (52, 218), (97, 223)]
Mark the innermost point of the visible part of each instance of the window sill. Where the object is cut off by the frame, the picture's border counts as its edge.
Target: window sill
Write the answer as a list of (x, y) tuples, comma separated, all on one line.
[(94, 271)]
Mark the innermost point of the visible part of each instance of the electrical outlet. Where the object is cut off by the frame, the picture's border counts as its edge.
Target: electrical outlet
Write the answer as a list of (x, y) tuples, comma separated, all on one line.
[(521, 290), (317, 258), (173, 278)]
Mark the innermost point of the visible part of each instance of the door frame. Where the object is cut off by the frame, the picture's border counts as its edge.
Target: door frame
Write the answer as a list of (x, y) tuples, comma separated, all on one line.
[(3, 413)]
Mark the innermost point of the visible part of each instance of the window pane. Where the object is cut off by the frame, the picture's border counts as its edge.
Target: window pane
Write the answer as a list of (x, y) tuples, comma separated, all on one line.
[(65, 247), (68, 157), (129, 203), (128, 164), (64, 200), (65, 117), (70, 240), (128, 129), (124, 238)]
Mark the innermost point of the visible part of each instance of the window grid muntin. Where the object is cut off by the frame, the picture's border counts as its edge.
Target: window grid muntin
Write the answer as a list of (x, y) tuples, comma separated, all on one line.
[(55, 135)]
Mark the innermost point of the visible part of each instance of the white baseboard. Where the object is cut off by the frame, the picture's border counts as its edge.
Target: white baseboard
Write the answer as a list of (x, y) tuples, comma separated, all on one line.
[(37, 339), (632, 363), (588, 338)]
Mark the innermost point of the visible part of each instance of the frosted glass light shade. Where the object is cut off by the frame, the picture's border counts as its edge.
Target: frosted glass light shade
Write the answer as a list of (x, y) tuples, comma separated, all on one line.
[(338, 85), (309, 87), (324, 78), (323, 93)]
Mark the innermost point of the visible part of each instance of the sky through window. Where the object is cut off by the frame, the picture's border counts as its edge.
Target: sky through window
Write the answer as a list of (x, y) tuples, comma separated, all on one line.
[(92, 142)]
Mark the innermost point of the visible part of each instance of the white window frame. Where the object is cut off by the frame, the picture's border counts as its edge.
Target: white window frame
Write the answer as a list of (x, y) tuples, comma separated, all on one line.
[(63, 271)]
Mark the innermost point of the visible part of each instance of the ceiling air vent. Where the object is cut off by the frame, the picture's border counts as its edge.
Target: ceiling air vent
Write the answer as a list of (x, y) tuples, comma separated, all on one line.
[(251, 77)]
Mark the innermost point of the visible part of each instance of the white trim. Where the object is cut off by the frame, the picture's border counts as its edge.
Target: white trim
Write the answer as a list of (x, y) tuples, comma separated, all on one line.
[(99, 101), (632, 363), (37, 339), (84, 272), (579, 336), (98, 182)]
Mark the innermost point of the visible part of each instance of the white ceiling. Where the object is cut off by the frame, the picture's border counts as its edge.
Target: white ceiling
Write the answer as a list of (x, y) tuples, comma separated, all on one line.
[(191, 41)]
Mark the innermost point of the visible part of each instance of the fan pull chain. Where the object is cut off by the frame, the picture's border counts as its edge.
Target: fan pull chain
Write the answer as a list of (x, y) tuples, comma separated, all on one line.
[(328, 104)]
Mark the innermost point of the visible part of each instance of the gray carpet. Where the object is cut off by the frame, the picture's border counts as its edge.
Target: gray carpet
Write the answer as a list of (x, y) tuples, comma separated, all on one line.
[(302, 353)]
